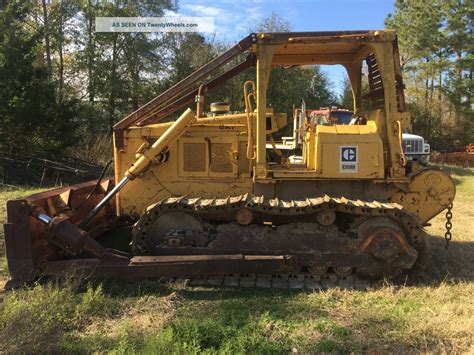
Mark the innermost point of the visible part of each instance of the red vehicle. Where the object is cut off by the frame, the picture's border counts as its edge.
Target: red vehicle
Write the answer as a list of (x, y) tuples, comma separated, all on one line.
[(324, 115), (332, 115)]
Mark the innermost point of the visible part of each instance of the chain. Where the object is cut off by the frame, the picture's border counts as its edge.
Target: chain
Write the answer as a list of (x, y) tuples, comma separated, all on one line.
[(449, 215)]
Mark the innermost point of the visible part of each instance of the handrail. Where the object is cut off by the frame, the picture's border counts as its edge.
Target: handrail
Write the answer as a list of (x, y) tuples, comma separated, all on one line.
[(251, 155), (400, 140)]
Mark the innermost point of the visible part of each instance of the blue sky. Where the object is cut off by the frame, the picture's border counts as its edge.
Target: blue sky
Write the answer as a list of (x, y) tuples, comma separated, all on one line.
[(233, 19)]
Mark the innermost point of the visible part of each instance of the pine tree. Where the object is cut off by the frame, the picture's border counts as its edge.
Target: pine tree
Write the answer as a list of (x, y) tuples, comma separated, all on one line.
[(31, 118), (346, 100), (436, 44)]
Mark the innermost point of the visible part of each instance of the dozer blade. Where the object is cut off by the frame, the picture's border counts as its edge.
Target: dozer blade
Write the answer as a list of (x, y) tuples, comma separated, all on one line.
[(156, 267), (26, 238)]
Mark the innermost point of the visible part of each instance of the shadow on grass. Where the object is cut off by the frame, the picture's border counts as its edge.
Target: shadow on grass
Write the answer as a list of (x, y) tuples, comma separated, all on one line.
[(147, 287), (453, 264), (224, 319), (456, 263), (456, 180), (454, 170), (241, 320)]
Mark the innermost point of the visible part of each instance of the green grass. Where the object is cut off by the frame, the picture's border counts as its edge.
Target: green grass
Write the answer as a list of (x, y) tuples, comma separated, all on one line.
[(436, 314), (9, 193), (170, 318)]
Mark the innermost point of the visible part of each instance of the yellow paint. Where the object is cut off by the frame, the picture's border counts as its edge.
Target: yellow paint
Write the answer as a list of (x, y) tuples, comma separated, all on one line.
[(264, 59), (207, 156), (324, 154), (430, 192)]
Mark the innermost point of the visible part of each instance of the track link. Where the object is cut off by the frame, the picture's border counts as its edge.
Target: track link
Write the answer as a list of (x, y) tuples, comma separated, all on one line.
[(275, 210), (301, 281)]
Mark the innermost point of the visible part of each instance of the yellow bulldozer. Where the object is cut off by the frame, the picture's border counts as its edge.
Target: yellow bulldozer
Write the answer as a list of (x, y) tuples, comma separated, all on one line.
[(201, 195)]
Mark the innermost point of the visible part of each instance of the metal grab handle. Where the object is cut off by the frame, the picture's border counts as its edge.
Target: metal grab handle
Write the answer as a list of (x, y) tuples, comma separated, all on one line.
[(251, 155), (400, 140)]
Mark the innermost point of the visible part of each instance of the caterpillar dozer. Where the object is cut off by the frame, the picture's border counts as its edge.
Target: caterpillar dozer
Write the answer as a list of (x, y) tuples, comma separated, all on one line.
[(201, 195)]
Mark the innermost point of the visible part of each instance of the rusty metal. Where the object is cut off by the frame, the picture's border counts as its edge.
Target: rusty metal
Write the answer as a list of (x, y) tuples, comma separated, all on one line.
[(199, 99), (343, 270), (285, 37), (317, 270), (169, 266), (106, 200), (67, 236), (400, 86), (449, 216), (326, 217), (21, 254), (26, 242), (300, 281), (192, 234), (296, 231), (249, 271), (215, 261), (462, 159), (244, 217)]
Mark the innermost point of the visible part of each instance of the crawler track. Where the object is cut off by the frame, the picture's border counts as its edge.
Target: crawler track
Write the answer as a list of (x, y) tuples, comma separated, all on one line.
[(343, 246), (301, 281)]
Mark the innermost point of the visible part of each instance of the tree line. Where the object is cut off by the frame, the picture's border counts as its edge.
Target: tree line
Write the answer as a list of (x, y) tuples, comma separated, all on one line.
[(437, 43), (63, 86)]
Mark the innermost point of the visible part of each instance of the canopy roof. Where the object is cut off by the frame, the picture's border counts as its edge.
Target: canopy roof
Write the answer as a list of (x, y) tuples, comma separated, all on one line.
[(301, 48), (291, 48)]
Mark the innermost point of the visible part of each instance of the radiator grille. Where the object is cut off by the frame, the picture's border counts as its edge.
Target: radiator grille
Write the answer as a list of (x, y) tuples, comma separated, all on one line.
[(221, 158), (413, 145), (194, 157)]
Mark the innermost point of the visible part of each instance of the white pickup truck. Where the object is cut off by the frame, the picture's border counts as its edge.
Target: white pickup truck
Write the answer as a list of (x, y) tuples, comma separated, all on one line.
[(415, 148)]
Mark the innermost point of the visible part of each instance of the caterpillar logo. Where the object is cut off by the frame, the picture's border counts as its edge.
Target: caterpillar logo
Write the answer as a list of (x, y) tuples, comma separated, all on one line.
[(348, 158)]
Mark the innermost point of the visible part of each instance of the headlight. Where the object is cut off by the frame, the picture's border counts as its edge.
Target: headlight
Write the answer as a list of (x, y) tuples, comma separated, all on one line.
[(426, 148)]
